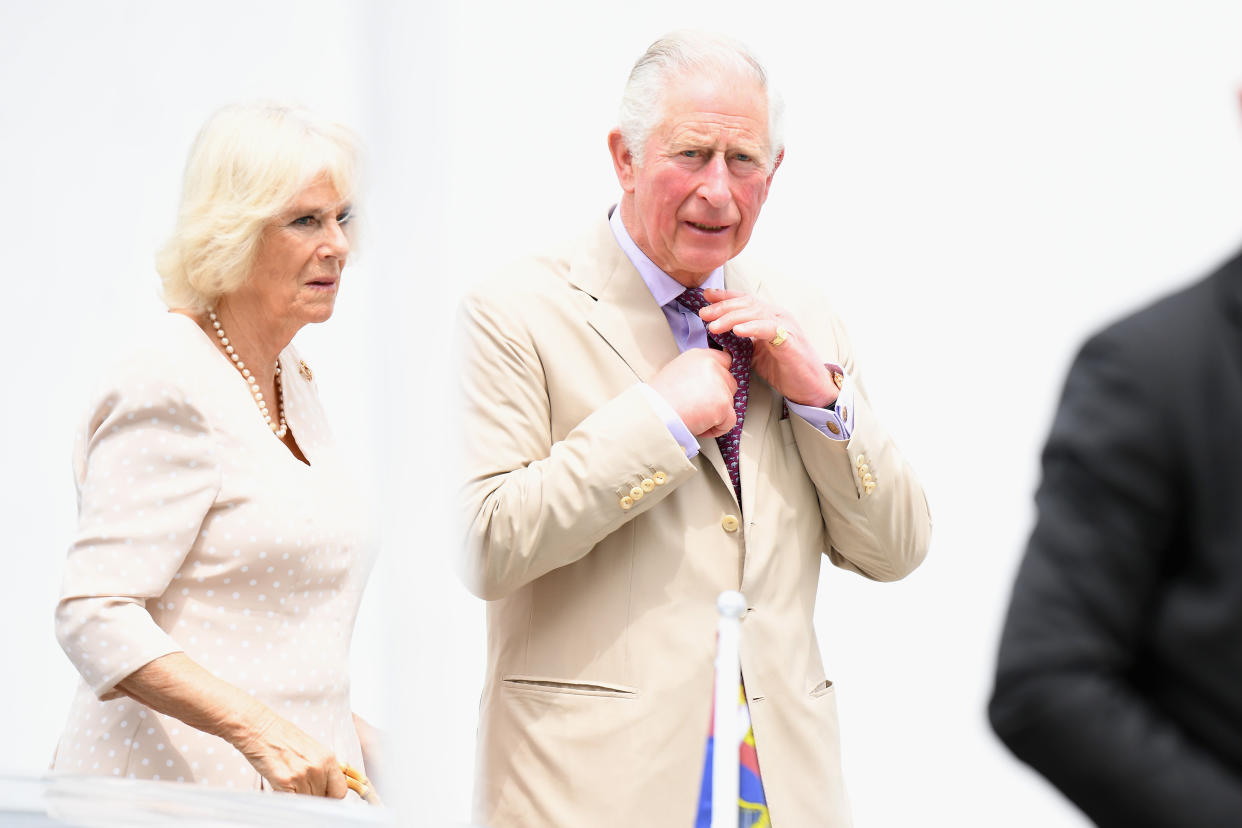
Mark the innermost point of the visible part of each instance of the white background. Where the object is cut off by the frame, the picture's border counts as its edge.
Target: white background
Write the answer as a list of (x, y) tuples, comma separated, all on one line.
[(977, 185)]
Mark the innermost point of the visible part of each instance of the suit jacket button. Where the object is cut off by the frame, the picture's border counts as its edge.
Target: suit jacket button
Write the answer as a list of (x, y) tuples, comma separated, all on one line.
[(636, 493), (648, 484), (729, 523), (659, 478), (626, 502)]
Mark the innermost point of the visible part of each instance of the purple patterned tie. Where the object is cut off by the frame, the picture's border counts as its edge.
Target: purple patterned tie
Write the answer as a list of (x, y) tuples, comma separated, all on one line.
[(741, 349)]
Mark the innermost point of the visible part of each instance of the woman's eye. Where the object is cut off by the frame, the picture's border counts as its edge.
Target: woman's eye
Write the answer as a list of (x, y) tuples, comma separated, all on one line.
[(304, 221), (345, 217), (690, 153)]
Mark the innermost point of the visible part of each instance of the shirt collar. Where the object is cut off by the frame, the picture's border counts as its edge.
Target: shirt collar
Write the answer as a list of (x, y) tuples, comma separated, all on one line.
[(664, 288)]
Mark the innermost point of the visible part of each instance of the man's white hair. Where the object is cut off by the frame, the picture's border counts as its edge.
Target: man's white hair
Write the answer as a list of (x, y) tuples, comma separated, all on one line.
[(689, 52)]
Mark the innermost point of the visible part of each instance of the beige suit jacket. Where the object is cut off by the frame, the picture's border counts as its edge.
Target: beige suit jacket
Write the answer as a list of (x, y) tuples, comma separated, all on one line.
[(601, 618)]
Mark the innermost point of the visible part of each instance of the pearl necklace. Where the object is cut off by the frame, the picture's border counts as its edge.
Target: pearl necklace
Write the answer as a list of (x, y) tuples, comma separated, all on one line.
[(279, 430)]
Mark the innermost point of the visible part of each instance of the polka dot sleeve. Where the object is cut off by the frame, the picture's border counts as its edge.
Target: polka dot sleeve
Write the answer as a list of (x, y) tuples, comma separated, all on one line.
[(146, 476)]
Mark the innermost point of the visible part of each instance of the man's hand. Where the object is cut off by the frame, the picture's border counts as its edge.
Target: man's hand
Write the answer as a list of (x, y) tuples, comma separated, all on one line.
[(699, 387), (792, 368)]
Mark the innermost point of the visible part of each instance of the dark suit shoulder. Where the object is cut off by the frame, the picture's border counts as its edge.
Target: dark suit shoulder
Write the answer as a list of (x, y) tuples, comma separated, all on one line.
[(1178, 328), (1117, 674)]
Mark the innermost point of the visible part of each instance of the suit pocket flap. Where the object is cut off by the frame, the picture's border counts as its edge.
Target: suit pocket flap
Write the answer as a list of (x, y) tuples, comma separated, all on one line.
[(540, 684)]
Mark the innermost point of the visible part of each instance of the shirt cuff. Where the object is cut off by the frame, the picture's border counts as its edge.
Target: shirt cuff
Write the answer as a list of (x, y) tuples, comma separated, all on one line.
[(671, 421), (835, 422)]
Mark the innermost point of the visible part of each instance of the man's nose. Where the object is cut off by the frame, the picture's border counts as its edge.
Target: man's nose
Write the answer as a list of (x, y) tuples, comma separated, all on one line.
[(714, 186)]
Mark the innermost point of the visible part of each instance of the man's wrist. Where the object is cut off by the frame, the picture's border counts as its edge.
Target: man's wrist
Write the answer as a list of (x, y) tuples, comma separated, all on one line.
[(830, 391), (836, 419)]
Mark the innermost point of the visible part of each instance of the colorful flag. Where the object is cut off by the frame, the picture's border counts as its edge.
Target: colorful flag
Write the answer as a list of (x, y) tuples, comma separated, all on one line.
[(752, 806)]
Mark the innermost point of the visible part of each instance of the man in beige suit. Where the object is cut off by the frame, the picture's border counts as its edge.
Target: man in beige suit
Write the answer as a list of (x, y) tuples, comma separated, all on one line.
[(603, 514)]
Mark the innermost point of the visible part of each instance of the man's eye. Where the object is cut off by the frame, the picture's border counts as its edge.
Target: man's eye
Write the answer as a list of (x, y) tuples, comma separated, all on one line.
[(690, 153), (741, 156)]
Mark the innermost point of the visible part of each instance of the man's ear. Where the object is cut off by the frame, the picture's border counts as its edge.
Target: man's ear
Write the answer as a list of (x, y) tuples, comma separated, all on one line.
[(622, 160), (775, 166)]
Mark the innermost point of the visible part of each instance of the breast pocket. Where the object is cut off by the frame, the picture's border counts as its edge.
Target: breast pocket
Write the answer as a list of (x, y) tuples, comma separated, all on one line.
[(822, 689)]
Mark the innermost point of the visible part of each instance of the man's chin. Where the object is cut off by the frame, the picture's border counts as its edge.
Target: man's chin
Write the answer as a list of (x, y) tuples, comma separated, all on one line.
[(705, 258)]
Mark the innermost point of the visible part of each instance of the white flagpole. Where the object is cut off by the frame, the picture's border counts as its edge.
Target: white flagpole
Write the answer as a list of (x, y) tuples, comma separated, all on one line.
[(725, 770)]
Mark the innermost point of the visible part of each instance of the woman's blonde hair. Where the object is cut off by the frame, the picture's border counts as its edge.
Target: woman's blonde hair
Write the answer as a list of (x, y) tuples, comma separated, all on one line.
[(247, 164)]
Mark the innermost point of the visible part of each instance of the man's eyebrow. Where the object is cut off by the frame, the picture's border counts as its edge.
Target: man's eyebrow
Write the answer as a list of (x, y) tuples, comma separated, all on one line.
[(755, 151), (691, 142)]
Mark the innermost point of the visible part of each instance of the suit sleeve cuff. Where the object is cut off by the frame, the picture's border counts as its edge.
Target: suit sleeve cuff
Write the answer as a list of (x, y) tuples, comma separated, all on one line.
[(835, 422)]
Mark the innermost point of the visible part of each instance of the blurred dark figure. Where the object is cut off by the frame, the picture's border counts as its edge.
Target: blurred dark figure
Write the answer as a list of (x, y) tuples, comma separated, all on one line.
[(1120, 668)]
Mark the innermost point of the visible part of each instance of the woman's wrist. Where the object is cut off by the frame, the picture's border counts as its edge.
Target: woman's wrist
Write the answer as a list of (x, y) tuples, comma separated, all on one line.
[(246, 724)]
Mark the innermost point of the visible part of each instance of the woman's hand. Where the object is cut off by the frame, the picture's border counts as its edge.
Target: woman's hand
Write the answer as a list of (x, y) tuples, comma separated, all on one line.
[(290, 759), (284, 754)]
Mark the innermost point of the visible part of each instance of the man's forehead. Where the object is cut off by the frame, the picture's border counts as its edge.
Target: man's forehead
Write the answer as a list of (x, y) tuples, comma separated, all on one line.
[(701, 107), (708, 129)]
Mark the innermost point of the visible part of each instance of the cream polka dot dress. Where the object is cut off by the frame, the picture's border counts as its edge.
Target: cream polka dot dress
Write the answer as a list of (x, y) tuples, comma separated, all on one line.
[(200, 532)]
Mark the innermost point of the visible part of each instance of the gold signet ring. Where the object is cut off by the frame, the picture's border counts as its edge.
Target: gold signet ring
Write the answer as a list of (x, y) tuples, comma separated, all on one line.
[(782, 334)]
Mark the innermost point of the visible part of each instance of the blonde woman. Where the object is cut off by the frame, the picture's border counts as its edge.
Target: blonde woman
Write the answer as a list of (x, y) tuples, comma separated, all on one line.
[(210, 591)]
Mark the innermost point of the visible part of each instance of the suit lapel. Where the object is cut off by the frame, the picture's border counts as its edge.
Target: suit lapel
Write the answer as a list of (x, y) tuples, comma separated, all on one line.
[(627, 317), (709, 451), (624, 313)]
